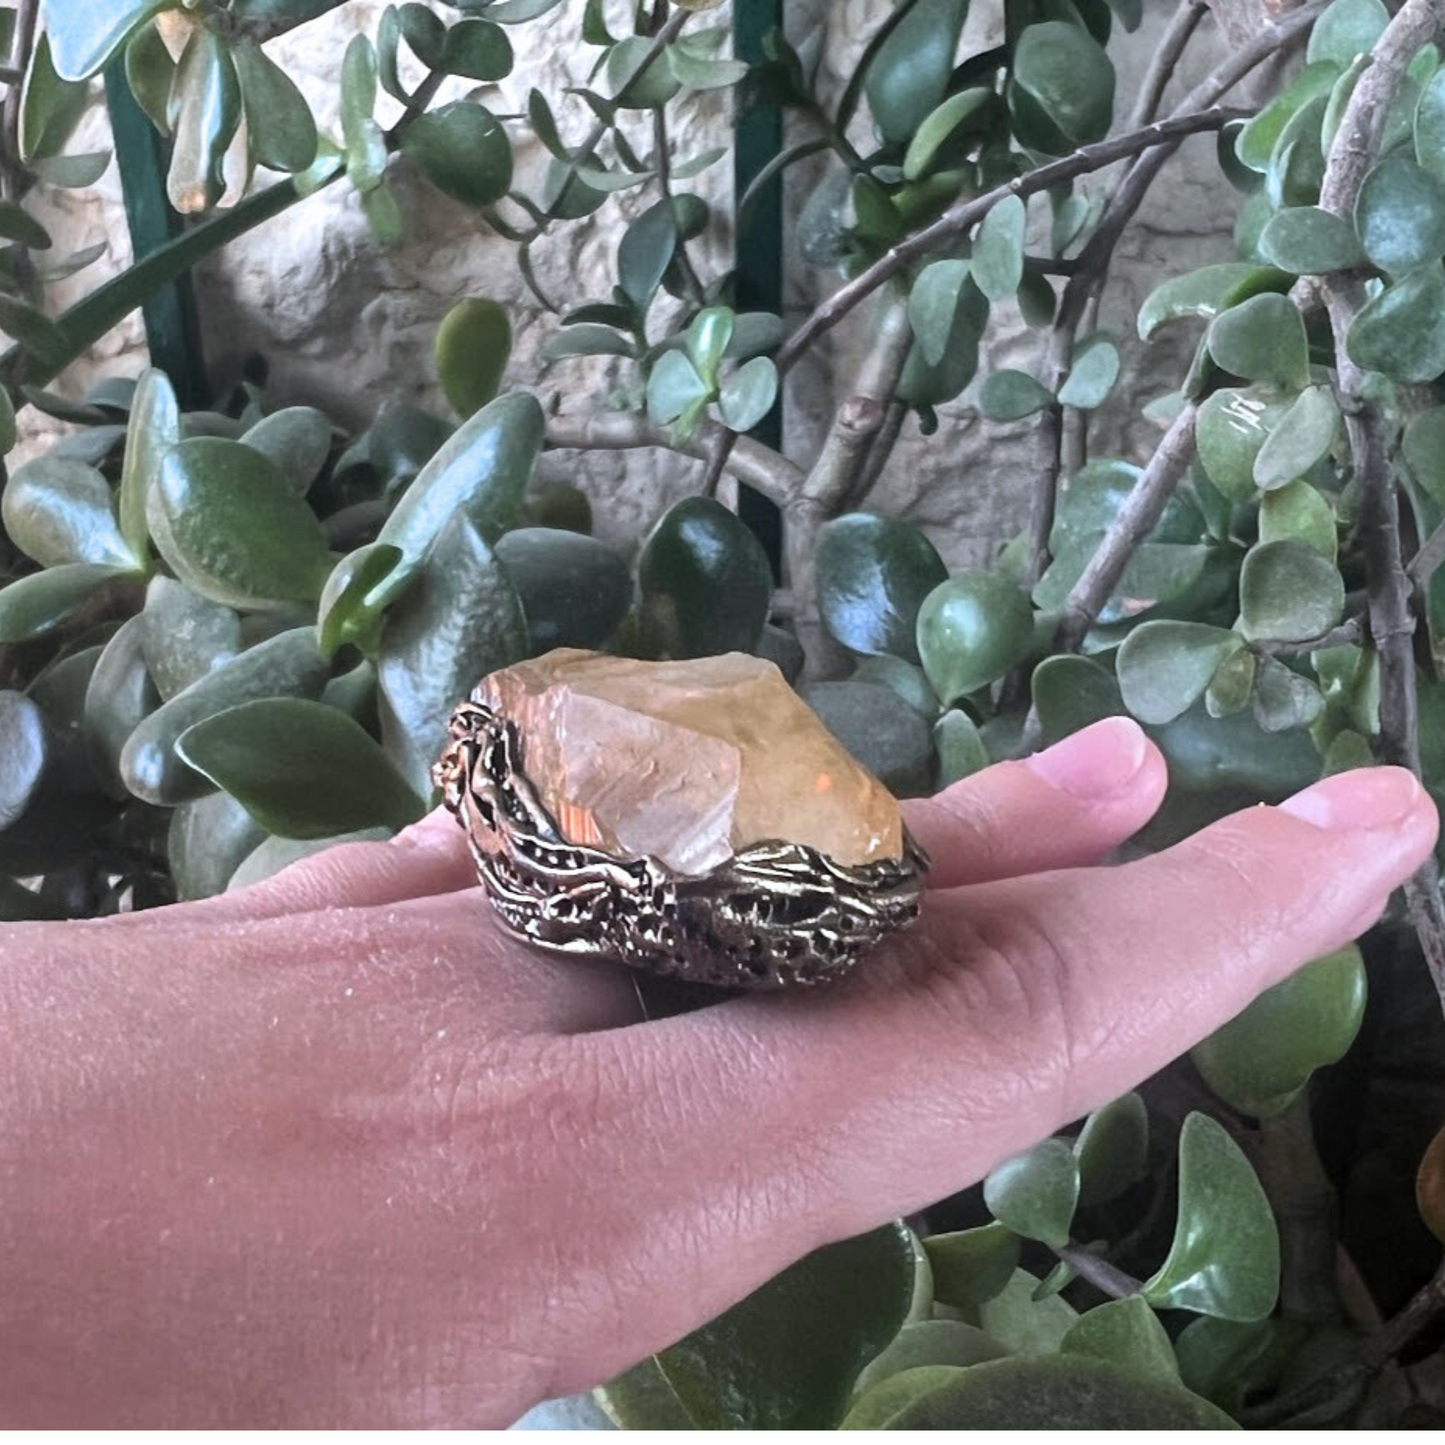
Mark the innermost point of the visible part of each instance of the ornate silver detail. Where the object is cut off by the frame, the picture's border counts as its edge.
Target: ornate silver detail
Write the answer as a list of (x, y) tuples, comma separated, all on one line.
[(776, 915)]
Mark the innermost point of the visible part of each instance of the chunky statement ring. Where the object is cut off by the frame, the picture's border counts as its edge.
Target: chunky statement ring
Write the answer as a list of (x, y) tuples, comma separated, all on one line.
[(692, 819)]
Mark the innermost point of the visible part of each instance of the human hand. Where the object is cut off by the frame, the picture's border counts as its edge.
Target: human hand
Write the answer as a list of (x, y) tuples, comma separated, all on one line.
[(332, 1151)]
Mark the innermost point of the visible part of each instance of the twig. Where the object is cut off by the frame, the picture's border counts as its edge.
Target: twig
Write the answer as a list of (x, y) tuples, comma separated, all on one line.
[(1136, 518), (1107, 1277), (1423, 1309), (966, 214), (1392, 622), (1182, 26), (750, 461), (878, 454), (1426, 562), (1350, 633)]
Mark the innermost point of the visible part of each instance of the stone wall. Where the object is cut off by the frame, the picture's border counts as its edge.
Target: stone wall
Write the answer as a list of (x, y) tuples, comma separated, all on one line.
[(348, 326)]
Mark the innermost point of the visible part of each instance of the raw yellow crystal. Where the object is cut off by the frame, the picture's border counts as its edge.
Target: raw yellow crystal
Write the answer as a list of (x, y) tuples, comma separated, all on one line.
[(688, 762)]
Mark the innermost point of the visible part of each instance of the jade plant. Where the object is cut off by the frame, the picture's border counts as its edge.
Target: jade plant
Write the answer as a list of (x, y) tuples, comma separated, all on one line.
[(230, 636)]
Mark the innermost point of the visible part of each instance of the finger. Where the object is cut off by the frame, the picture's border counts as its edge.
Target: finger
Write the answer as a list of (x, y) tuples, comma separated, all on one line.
[(426, 859), (1068, 805), (1018, 1007)]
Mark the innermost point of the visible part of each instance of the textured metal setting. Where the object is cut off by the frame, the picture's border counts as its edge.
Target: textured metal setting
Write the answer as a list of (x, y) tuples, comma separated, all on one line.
[(776, 915)]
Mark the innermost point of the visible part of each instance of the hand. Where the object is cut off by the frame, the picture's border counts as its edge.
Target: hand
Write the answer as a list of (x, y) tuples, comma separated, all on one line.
[(331, 1151)]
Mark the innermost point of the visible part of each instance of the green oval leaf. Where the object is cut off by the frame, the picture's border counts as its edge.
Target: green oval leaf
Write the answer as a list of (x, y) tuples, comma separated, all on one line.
[(1035, 1193), (25, 754), (939, 127), (301, 769), (873, 574), (971, 630), (205, 111), (1400, 215), (1164, 667), (119, 696), (152, 429), (705, 582), (238, 531), (923, 1343), (747, 396), (463, 151), (1345, 29), (297, 440), (288, 665), (364, 584), (478, 50), (207, 841), (1207, 292), (1288, 592), (787, 1356), (1401, 332), (998, 250), (971, 1266), (574, 590), (1125, 1332), (1262, 339), (1092, 376), (1299, 513), (59, 510), (480, 473), (1113, 1149), (38, 604), (280, 128), (462, 620), (1225, 1257), (1303, 437), (1064, 71), (84, 36), (1010, 395), (1261, 1059), (1230, 432), (1309, 241), (909, 74), (473, 345), (932, 304), (185, 636)]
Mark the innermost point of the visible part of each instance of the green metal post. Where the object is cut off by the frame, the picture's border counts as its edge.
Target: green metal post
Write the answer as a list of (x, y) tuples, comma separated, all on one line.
[(172, 322), (759, 243)]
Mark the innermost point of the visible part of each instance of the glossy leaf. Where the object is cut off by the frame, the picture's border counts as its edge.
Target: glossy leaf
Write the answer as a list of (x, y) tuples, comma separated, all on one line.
[(301, 769), (1207, 292), (1225, 1257), (646, 251), (277, 853), (1024, 1320), (280, 128), (1010, 395), (153, 428), (207, 842), (932, 304), (1165, 666), (929, 1342), (58, 510), (1035, 1193), (1288, 592), (1302, 437), (1401, 332), (355, 599), (461, 621), (971, 1266), (238, 531), (894, 743), (674, 388), (1400, 215), (205, 111), (119, 695), (480, 473), (26, 748), (39, 603), (960, 748), (748, 395), (574, 590), (998, 250), (473, 345), (642, 1399), (1309, 241), (50, 106), (1345, 29), (83, 36), (288, 665), (634, 87), (1260, 136), (1430, 125), (1261, 1059), (925, 385), (1299, 513), (1125, 1332), (908, 76), (971, 630), (1423, 447), (1262, 339), (297, 440), (708, 338), (1230, 432), (875, 1408), (1070, 693), (705, 582), (478, 50), (1112, 1149), (939, 126), (1067, 75), (185, 636), (1092, 376), (787, 1356), (463, 151), (873, 574)]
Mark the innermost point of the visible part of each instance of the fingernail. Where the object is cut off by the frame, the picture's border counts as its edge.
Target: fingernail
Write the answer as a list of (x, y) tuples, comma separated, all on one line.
[(1095, 763), (1367, 798)]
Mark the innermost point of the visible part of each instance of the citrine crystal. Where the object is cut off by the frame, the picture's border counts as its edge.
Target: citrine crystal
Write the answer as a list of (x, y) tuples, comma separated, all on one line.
[(688, 762)]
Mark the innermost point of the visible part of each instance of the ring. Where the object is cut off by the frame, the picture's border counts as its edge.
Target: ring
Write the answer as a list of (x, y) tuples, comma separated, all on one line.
[(693, 819)]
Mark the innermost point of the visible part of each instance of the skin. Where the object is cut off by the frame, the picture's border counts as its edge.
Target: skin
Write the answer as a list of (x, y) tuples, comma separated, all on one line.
[(332, 1152)]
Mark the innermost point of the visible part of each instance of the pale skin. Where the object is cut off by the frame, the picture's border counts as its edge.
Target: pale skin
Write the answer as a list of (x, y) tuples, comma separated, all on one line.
[(332, 1152)]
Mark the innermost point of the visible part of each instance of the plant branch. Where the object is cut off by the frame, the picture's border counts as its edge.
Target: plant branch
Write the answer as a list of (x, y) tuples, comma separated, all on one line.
[(1422, 1310), (1350, 633), (1182, 25), (878, 454), (1426, 562), (1136, 518), (967, 214), (1104, 1276), (1392, 621), (750, 461)]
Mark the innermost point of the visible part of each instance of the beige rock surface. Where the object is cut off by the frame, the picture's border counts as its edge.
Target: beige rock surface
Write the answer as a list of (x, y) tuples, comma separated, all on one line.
[(348, 326), (688, 761)]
